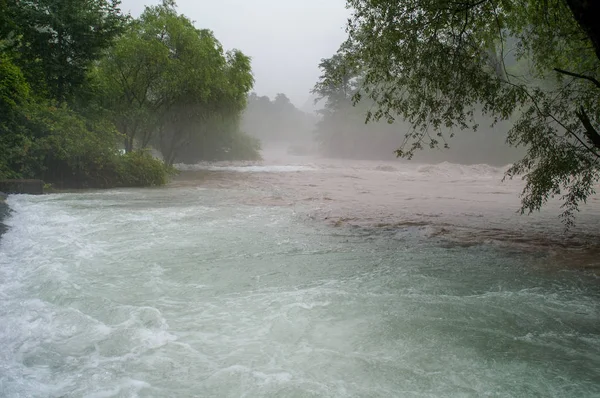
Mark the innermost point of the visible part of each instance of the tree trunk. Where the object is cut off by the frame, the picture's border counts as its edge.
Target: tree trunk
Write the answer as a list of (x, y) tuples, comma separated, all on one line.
[(146, 139), (587, 15), (60, 79), (128, 144)]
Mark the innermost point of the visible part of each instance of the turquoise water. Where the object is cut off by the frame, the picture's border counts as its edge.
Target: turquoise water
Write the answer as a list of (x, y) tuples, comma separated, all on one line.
[(204, 291)]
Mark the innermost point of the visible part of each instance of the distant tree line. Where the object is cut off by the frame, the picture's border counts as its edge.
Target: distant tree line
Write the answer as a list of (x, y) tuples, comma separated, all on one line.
[(342, 132), (277, 120), (85, 91)]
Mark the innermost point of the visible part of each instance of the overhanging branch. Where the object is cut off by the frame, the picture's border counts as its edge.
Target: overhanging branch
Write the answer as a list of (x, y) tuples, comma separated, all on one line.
[(567, 129), (577, 75), (590, 131)]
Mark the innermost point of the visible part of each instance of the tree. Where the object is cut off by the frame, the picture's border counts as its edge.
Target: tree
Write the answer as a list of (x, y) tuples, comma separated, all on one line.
[(7, 24), (14, 142), (61, 38), (435, 62), (342, 131), (42, 135), (217, 134), (338, 81), (168, 84), (129, 76)]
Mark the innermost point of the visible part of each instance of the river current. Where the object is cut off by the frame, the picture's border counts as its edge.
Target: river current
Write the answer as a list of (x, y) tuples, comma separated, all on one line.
[(300, 278)]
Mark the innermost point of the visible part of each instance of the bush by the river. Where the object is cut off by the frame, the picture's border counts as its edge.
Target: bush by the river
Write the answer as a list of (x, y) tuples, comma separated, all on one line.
[(59, 146), (140, 169)]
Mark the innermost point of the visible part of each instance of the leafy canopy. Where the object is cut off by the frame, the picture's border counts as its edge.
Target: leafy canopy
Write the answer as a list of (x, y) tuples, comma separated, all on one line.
[(435, 63), (59, 39), (169, 84), (49, 128)]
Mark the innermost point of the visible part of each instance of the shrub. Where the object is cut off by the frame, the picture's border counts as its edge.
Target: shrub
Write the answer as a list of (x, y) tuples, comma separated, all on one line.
[(71, 151), (140, 169), (65, 149), (62, 147), (244, 147)]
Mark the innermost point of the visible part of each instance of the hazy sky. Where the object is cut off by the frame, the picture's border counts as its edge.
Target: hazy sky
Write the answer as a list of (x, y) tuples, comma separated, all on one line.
[(285, 38)]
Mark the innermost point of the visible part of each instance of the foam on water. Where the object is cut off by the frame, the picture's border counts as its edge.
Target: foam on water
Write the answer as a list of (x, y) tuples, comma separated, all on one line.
[(204, 292), (446, 169), (245, 168)]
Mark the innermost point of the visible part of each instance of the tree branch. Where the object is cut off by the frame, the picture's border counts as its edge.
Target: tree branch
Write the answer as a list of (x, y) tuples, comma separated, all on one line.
[(585, 13), (465, 6), (590, 131), (577, 75), (545, 114)]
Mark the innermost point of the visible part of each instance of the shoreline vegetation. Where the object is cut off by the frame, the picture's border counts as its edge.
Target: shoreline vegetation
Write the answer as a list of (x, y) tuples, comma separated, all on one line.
[(116, 107)]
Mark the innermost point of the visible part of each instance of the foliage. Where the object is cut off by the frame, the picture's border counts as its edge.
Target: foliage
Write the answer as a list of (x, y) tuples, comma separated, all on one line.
[(126, 77), (14, 89), (227, 143), (60, 38), (37, 138), (69, 150), (342, 131), (78, 78), (140, 169), (14, 96), (433, 63), (243, 146), (166, 83)]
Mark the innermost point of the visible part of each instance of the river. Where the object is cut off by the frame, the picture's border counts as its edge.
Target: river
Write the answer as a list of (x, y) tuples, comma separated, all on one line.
[(299, 278)]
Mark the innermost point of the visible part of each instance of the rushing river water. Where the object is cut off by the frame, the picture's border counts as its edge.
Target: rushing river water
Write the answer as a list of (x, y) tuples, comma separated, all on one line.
[(297, 280)]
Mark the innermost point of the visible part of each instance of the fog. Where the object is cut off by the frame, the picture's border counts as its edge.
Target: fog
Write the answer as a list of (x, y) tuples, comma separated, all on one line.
[(286, 41), (277, 123), (346, 135)]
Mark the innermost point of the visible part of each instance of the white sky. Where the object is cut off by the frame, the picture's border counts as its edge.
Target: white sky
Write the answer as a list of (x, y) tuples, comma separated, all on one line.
[(285, 38)]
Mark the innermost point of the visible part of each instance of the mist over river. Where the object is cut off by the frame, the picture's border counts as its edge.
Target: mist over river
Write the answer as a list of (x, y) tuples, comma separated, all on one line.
[(300, 277)]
